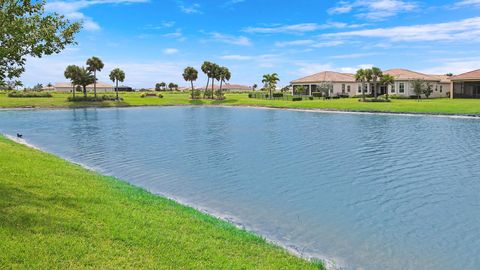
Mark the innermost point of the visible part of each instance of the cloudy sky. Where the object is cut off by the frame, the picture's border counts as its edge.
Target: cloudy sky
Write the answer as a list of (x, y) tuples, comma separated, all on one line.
[(154, 40)]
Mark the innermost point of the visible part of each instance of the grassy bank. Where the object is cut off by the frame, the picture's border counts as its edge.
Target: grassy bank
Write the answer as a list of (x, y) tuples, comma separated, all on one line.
[(56, 215), (437, 106)]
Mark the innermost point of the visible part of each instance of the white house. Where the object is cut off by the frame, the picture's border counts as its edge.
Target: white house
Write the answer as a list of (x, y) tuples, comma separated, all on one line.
[(345, 83), (67, 87)]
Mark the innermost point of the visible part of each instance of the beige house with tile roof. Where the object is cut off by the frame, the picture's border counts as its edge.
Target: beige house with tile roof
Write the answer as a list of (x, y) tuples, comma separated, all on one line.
[(466, 85), (67, 87), (344, 84)]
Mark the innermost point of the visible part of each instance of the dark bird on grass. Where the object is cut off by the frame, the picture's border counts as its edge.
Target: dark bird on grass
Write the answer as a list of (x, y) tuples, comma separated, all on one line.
[(19, 135)]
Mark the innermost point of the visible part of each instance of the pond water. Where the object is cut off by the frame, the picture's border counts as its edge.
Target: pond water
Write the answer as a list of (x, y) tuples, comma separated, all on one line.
[(366, 191)]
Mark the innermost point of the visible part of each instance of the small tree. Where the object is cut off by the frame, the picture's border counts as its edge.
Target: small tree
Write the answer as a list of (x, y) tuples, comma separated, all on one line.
[(225, 76), (37, 87), (117, 75), (83, 78), (300, 90), (428, 90), (94, 64), (360, 76), (270, 81), (254, 87), (207, 69), (158, 87), (171, 86), (325, 88), (190, 74), (387, 80), (418, 86), (70, 73), (377, 75)]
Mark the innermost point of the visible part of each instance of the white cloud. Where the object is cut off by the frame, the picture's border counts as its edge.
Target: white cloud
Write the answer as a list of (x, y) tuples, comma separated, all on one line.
[(464, 3), (297, 28), (189, 9), (170, 51), (456, 31), (229, 39), (307, 69), (71, 10), (301, 42), (236, 57), (352, 55), (309, 42), (453, 65), (374, 10)]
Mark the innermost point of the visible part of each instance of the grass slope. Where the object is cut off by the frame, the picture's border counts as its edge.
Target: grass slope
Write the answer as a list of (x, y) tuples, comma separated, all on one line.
[(56, 215), (437, 106)]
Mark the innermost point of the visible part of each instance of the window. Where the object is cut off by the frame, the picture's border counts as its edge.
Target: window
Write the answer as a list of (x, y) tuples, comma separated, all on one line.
[(359, 88), (343, 88), (436, 88), (331, 90), (348, 88), (392, 88), (441, 88), (401, 87)]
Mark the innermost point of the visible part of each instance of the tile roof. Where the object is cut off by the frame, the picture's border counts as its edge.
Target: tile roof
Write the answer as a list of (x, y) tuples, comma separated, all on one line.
[(472, 75), (327, 76), (405, 74)]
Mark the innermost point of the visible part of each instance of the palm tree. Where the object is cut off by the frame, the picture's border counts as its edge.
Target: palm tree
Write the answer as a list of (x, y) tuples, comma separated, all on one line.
[(360, 77), (206, 68), (70, 73), (215, 72), (190, 74), (376, 76), (83, 78), (94, 64), (386, 81), (271, 81), (225, 76), (117, 75), (254, 86)]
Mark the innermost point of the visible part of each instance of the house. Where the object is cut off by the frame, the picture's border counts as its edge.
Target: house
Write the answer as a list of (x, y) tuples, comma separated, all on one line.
[(67, 87), (466, 85), (345, 83), (228, 87)]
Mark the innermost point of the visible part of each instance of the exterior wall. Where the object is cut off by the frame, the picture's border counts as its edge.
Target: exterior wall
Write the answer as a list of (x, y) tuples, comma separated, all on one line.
[(439, 89), (90, 89)]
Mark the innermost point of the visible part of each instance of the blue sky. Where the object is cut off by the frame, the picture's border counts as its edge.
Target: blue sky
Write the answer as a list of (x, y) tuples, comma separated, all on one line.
[(154, 40)]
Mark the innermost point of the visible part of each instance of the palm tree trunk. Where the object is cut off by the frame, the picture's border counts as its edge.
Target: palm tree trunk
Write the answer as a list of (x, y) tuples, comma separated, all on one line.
[(363, 92), (191, 82), (73, 90), (386, 92), (84, 91), (221, 81), (116, 89), (95, 83), (206, 88), (213, 87), (375, 94)]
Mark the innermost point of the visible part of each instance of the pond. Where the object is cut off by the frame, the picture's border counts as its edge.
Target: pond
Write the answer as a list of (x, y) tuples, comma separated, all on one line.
[(363, 190)]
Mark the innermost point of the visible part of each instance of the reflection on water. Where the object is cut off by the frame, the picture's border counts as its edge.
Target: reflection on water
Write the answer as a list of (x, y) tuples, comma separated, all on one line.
[(371, 191)]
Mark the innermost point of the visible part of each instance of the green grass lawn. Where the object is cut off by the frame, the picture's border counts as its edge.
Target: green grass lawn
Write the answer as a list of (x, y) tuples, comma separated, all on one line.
[(441, 106), (56, 215)]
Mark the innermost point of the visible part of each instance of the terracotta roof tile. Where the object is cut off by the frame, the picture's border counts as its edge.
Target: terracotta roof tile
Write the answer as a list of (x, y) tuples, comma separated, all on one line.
[(472, 75), (327, 76)]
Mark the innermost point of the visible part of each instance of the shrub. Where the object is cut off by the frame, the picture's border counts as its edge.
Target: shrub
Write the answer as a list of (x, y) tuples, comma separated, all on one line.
[(277, 95), (197, 94), (250, 95), (142, 95), (317, 94), (311, 98), (29, 94), (93, 99), (398, 97), (374, 100), (297, 99), (160, 95)]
